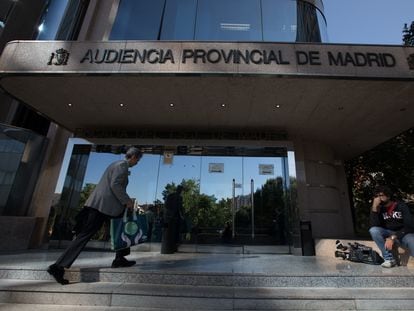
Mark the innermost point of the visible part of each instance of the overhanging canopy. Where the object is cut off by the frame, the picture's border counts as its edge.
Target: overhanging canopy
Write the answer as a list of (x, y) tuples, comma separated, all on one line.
[(352, 108)]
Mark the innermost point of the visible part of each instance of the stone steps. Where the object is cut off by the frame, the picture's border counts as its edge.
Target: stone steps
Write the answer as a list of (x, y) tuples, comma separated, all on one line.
[(204, 282), (399, 278), (118, 296)]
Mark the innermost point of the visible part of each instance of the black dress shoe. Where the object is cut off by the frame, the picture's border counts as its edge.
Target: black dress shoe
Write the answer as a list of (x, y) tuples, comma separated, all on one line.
[(122, 262), (57, 273)]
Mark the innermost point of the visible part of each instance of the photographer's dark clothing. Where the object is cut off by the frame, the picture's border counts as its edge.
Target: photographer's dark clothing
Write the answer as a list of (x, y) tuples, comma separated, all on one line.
[(396, 217), (172, 219), (173, 207)]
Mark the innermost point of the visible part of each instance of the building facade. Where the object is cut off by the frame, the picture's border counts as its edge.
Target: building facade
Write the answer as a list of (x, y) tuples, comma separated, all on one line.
[(243, 98)]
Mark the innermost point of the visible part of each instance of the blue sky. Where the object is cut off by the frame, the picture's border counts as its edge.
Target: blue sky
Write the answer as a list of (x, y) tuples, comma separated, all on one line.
[(367, 21), (349, 22)]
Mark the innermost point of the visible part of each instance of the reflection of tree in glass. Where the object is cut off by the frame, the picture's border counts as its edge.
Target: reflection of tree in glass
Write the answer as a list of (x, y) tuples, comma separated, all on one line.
[(270, 209), (200, 209), (203, 211)]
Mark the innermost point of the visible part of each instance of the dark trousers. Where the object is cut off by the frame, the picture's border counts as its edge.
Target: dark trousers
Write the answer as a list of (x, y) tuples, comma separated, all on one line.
[(170, 234), (93, 221)]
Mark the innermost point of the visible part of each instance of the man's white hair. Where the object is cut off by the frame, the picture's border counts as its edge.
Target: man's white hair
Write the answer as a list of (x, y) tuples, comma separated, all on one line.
[(133, 152)]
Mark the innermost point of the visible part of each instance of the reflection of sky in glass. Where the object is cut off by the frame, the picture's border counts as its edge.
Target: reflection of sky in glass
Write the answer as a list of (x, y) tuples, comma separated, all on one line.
[(182, 167), (51, 20), (251, 171), (150, 176), (291, 164), (220, 184)]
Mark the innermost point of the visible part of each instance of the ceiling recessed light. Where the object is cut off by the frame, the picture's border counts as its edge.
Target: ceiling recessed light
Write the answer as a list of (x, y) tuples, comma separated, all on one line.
[(122, 105), (223, 105), (70, 105), (277, 106), (172, 104)]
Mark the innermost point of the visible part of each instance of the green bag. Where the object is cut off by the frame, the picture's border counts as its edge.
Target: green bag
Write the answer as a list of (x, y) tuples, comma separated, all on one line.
[(131, 229)]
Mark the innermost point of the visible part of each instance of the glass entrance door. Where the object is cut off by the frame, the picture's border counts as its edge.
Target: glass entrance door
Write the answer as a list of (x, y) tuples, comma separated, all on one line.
[(261, 215), (233, 196), (228, 199)]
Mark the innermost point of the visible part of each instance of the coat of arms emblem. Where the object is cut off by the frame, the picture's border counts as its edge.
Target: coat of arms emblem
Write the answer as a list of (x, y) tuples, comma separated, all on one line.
[(59, 57), (410, 61)]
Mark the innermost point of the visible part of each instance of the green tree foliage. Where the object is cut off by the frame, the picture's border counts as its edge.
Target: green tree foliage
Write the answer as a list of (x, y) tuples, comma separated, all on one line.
[(408, 35), (391, 164), (269, 202), (205, 211), (201, 209), (270, 208)]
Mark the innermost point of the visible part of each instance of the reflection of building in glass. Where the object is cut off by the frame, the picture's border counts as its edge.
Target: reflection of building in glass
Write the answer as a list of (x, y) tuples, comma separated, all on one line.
[(219, 20)]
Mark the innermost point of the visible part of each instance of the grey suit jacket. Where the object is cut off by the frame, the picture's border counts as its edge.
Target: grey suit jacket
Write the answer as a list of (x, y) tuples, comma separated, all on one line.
[(109, 196)]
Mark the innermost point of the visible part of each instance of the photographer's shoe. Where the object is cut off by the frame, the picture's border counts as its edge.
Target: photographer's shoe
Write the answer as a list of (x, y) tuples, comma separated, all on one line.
[(389, 263), (57, 273), (122, 262)]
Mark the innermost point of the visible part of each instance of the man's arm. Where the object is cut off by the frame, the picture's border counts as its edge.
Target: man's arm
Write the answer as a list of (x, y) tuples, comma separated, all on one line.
[(375, 219), (407, 219)]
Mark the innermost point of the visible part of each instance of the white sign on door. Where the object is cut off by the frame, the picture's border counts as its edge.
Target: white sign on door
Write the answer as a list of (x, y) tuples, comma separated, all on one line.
[(266, 169), (216, 167)]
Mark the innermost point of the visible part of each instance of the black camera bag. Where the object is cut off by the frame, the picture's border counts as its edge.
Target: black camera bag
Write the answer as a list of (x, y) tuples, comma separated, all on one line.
[(357, 252)]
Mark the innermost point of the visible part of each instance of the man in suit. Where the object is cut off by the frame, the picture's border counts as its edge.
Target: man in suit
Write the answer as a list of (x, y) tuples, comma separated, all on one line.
[(108, 200)]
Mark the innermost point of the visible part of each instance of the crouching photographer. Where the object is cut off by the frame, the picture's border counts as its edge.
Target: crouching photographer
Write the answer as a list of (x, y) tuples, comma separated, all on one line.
[(391, 222)]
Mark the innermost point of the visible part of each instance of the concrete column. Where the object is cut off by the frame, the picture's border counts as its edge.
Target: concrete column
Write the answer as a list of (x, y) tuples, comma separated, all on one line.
[(44, 193)]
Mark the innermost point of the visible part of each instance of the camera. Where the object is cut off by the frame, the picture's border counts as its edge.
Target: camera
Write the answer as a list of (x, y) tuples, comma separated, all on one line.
[(340, 246), (343, 255)]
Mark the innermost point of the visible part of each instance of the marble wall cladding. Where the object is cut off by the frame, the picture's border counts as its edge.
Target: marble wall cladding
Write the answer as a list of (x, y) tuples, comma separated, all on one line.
[(260, 58), (18, 231)]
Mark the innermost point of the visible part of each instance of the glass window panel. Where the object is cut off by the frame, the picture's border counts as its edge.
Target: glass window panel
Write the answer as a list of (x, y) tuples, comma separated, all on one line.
[(5, 8), (51, 19), (251, 167), (70, 26), (20, 154), (322, 27), (279, 20), (308, 24), (220, 183), (179, 20), (266, 175), (229, 20), (138, 20), (181, 168)]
